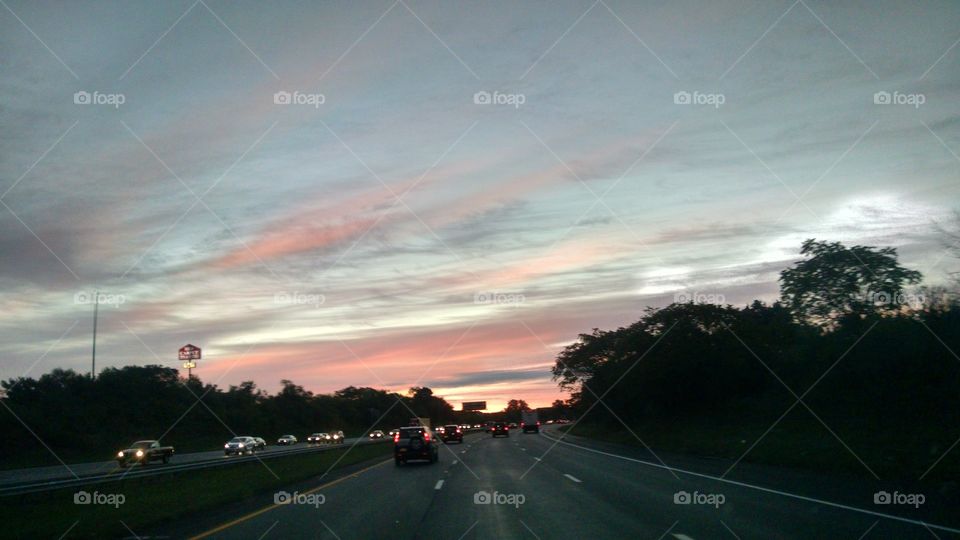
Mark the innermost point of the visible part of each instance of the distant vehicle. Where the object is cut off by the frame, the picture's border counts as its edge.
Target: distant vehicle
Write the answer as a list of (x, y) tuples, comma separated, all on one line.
[(143, 452), (260, 443), (530, 422), (334, 437), (416, 421), (549, 421), (377, 434), (477, 426), (240, 445), (500, 428), (513, 425), (452, 433), (393, 433), (490, 426), (287, 440), (415, 442), (317, 438)]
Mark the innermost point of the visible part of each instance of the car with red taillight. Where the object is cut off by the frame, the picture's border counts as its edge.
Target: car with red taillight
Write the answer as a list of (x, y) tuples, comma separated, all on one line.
[(415, 443), (452, 433)]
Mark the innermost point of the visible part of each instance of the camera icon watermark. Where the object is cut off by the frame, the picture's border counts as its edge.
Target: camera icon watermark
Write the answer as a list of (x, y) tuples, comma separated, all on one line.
[(498, 298), (899, 98), (499, 98), (296, 298), (107, 499), (83, 97), (684, 97), (307, 499), (314, 100), (697, 297), (898, 300), (908, 499), (86, 298), (508, 499), (710, 499)]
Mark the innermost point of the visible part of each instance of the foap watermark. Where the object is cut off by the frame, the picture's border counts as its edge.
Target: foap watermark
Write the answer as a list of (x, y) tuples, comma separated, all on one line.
[(696, 297), (314, 100), (509, 499), (297, 298), (107, 499), (498, 297), (709, 499), (906, 499), (106, 299), (891, 300), (899, 98), (699, 98), (307, 499), (99, 98), (499, 98)]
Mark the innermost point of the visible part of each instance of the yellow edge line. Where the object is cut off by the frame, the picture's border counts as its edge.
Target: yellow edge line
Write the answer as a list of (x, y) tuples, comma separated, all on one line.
[(274, 506)]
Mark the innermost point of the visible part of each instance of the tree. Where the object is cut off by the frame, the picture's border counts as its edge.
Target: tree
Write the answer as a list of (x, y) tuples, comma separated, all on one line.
[(514, 409), (834, 282)]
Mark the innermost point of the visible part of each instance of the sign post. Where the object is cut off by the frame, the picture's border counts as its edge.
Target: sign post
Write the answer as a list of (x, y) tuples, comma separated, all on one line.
[(189, 354)]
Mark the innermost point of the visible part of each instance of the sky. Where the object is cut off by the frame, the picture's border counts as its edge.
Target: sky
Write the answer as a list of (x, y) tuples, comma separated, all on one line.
[(445, 194)]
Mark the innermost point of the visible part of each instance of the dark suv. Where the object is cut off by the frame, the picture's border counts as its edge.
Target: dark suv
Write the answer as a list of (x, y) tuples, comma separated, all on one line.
[(415, 442), (452, 433), (500, 428)]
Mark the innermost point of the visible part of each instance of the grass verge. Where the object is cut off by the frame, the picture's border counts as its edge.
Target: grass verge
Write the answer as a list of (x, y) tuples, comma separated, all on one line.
[(176, 496)]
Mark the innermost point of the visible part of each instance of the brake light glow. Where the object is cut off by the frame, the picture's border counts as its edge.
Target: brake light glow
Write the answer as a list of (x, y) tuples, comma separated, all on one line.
[(426, 436), (396, 437)]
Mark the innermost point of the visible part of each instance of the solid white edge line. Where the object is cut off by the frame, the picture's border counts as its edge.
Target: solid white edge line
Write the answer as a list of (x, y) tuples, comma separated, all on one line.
[(573, 478), (680, 536), (769, 490), (439, 485)]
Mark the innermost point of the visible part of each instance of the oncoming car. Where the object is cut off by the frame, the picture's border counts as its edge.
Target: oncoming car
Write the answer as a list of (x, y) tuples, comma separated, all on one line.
[(317, 438), (240, 445), (286, 440)]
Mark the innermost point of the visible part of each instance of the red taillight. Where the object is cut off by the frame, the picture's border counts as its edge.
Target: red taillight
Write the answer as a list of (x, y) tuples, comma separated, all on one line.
[(459, 430), (538, 422), (396, 437), (426, 436), (522, 424)]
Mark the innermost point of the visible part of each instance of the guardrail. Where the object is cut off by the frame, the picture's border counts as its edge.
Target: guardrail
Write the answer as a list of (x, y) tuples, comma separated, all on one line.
[(157, 470)]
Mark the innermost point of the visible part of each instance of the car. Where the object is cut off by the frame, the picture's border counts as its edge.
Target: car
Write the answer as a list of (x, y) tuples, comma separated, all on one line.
[(415, 442), (477, 426), (317, 438), (143, 452), (286, 440), (376, 434), (513, 425), (240, 445), (334, 437), (260, 443), (393, 433), (500, 428), (452, 433)]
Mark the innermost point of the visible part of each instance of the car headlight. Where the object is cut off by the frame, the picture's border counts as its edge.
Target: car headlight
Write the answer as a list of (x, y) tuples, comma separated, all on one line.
[(240, 445), (139, 453), (120, 453)]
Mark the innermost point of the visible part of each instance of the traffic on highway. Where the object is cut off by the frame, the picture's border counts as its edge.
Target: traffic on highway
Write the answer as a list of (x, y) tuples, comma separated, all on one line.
[(479, 269)]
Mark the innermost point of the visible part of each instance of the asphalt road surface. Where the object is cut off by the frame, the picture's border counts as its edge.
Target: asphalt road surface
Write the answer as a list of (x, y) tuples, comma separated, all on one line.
[(526, 486), (62, 472)]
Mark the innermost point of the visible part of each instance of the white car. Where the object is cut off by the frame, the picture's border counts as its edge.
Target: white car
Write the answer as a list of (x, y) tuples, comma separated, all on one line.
[(240, 445), (287, 440)]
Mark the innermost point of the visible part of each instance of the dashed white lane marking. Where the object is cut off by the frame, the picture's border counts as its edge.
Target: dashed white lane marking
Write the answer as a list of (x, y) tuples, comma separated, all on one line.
[(463, 451), (679, 536), (454, 462), (439, 485), (768, 490), (575, 479), (536, 458)]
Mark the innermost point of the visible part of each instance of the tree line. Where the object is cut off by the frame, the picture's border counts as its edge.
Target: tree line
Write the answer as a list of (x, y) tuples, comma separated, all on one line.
[(849, 348)]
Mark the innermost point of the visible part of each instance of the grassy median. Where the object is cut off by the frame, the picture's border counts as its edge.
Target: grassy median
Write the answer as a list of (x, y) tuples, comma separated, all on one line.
[(147, 502)]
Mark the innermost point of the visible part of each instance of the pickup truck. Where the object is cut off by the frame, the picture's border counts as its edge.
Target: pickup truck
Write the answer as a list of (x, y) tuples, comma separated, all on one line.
[(143, 452)]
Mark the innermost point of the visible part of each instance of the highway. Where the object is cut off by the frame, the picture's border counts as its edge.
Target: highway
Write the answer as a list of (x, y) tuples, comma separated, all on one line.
[(55, 473), (531, 486)]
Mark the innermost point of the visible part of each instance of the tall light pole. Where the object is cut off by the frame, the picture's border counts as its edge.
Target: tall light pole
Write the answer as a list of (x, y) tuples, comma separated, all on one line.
[(93, 360)]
